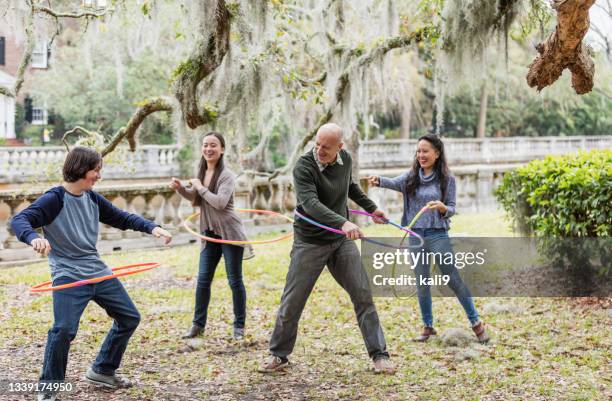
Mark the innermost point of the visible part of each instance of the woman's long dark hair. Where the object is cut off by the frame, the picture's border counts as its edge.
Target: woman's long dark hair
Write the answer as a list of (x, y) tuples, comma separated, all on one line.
[(212, 187), (440, 167)]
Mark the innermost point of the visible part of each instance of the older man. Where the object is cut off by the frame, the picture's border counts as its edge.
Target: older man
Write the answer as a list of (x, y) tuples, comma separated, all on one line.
[(323, 184)]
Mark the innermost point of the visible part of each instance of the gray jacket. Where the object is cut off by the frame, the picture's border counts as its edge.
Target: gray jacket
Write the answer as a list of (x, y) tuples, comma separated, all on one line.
[(217, 212)]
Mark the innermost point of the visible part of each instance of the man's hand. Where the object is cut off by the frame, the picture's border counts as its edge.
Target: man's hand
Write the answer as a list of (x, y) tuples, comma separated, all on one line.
[(352, 231), (438, 205), (374, 180), (381, 217), (175, 183), (159, 232), (41, 246)]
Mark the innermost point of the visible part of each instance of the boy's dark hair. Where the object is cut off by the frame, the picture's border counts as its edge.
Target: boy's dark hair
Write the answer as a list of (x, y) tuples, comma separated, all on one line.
[(79, 161)]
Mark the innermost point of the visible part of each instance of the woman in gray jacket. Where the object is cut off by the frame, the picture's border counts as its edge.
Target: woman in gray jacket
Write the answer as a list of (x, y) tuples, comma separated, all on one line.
[(213, 192)]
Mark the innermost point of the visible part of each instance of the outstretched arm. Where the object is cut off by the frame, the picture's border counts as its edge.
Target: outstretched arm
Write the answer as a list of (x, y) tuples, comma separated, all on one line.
[(397, 183), (115, 217)]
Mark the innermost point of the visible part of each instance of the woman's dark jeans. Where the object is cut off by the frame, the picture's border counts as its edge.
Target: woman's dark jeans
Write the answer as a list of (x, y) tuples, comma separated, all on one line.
[(209, 259)]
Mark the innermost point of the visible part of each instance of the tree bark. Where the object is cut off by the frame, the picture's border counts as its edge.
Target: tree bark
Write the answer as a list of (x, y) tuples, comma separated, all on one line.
[(564, 49), (406, 117), (482, 115), (206, 57)]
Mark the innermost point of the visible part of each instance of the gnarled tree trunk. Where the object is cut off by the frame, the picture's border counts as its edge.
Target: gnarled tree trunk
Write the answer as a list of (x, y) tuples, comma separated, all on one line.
[(564, 49)]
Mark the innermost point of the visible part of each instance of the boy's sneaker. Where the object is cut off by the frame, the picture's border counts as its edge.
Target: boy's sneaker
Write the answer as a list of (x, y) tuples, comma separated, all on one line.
[(273, 364), (109, 381), (238, 333), (384, 365)]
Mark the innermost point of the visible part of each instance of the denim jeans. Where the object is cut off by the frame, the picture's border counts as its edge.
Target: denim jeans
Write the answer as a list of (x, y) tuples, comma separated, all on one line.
[(437, 240), (209, 259), (68, 306)]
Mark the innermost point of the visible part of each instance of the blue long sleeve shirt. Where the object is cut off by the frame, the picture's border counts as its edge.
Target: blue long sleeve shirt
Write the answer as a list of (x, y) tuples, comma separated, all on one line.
[(71, 223), (428, 190)]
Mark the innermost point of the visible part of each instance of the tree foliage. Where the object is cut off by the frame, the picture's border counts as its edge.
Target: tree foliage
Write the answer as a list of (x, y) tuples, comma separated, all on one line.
[(253, 69)]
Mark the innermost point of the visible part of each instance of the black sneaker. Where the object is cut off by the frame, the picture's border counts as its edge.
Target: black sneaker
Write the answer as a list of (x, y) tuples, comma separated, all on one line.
[(194, 331)]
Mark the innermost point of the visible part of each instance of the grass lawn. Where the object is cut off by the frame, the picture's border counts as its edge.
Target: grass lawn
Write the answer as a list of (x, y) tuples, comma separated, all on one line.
[(541, 348)]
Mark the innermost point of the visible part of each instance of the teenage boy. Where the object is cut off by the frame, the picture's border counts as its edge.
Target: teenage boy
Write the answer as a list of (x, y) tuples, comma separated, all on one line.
[(69, 216)]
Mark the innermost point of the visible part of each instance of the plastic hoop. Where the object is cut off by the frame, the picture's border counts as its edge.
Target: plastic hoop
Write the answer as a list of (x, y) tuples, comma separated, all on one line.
[(238, 242), (409, 226), (44, 287), (340, 232)]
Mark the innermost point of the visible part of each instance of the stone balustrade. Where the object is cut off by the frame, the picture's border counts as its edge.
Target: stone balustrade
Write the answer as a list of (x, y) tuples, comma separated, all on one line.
[(27, 164), (156, 201), (393, 153), (43, 163), (478, 166)]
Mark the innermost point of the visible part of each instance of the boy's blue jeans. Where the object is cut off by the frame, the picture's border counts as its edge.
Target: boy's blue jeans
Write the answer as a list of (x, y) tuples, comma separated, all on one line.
[(68, 306), (437, 240)]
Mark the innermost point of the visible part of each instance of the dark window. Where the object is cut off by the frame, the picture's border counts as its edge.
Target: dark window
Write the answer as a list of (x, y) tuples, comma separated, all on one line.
[(2, 47), (27, 105)]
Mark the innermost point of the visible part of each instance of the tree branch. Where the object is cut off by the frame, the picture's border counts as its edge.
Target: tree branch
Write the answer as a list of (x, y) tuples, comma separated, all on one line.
[(343, 84), (564, 49), (25, 58), (30, 40), (79, 14), (27, 53), (76, 130), (129, 131)]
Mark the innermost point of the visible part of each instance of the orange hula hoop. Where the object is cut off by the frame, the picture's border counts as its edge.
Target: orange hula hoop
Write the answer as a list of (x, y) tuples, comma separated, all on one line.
[(238, 242), (44, 287)]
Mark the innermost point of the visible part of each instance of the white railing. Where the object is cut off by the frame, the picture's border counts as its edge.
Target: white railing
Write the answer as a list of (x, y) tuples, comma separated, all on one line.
[(25, 164), (158, 202), (400, 152), (43, 163)]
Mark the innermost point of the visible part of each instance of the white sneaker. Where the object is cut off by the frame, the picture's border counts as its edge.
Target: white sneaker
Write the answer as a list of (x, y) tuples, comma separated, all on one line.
[(113, 381), (47, 397)]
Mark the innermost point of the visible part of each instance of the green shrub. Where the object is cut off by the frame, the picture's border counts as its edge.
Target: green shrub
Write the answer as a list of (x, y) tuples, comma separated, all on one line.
[(564, 197), (32, 134)]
